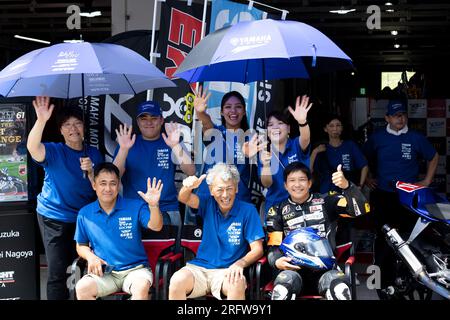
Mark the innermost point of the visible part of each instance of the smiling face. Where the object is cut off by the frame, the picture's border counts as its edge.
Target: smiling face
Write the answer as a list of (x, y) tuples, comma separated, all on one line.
[(150, 126), (233, 111), (106, 186), (278, 131), (297, 185), (224, 192), (72, 130)]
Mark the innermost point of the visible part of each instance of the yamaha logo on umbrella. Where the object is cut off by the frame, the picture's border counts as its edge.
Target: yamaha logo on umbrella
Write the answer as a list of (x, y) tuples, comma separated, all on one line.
[(246, 43)]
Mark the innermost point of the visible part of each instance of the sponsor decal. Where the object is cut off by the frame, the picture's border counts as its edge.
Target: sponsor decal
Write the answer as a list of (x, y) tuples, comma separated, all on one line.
[(315, 208), (271, 212), (285, 210)]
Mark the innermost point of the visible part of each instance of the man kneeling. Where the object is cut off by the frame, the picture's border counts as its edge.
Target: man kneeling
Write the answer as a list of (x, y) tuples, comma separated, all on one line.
[(230, 226), (108, 236)]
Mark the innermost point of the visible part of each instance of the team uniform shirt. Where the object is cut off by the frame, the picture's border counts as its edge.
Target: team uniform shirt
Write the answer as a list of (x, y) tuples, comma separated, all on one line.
[(397, 156), (65, 190), (320, 211), (348, 154), (115, 238), (226, 239), (231, 154), (150, 159), (279, 161)]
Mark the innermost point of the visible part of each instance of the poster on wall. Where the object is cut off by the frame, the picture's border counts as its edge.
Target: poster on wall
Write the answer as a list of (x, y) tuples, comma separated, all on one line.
[(13, 153)]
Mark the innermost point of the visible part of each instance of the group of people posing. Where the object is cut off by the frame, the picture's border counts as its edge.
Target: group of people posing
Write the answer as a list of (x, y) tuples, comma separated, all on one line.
[(105, 211)]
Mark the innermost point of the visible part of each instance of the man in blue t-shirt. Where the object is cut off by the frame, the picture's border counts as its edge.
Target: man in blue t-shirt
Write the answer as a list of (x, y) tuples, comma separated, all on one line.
[(152, 154), (394, 154), (230, 227), (108, 237)]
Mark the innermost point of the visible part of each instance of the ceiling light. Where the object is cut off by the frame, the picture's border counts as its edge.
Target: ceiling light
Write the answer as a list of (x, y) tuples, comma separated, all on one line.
[(31, 39), (91, 14), (396, 46), (73, 41), (342, 11), (390, 10), (388, 4), (394, 32)]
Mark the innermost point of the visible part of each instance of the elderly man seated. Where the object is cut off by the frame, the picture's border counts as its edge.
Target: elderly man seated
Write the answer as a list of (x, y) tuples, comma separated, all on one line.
[(230, 226)]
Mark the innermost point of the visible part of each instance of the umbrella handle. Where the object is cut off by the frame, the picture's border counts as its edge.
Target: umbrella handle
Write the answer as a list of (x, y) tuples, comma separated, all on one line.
[(85, 173)]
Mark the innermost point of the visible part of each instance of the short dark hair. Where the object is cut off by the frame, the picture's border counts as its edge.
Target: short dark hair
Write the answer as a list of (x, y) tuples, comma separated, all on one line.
[(279, 115), (228, 95), (294, 167), (106, 167), (66, 113), (330, 117)]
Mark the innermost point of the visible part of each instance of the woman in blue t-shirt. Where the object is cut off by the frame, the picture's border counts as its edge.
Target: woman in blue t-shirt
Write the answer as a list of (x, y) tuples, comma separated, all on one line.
[(223, 143), (282, 150), (326, 157), (64, 192)]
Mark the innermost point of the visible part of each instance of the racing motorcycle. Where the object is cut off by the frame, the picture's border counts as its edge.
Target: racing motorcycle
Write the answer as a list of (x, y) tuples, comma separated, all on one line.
[(423, 257)]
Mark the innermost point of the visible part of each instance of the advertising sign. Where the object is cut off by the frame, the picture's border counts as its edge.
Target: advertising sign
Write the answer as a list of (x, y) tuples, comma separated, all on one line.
[(18, 261), (13, 153)]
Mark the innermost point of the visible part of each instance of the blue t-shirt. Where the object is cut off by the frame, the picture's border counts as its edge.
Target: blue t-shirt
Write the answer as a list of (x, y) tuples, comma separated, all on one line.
[(150, 159), (226, 239), (231, 154), (293, 152), (115, 238), (65, 190), (397, 157), (348, 154)]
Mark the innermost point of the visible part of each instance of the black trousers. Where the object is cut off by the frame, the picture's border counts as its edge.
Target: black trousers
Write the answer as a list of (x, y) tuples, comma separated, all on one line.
[(388, 210), (60, 251)]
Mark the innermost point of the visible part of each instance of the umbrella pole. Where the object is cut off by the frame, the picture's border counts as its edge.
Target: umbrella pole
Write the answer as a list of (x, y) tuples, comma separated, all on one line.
[(85, 173), (265, 103)]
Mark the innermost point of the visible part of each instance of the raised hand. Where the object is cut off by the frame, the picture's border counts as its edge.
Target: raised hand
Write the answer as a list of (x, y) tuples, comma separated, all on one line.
[(301, 109), (193, 182), (124, 137), (173, 134), (43, 108), (201, 99), (254, 145), (338, 178), (153, 192)]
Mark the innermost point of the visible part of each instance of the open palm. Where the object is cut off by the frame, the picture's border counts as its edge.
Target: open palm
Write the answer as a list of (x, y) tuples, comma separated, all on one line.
[(173, 134), (43, 108), (153, 193), (201, 99), (124, 137), (302, 107)]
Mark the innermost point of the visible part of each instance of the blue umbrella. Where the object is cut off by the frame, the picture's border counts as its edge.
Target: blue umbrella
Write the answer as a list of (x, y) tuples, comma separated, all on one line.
[(78, 69), (69, 70), (262, 50)]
